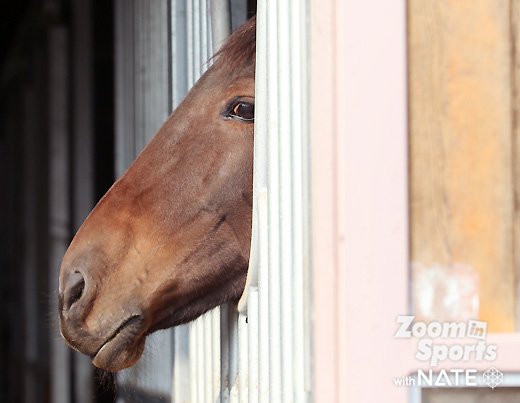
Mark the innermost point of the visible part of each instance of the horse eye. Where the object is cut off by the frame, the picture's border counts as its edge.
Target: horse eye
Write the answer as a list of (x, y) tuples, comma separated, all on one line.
[(243, 111)]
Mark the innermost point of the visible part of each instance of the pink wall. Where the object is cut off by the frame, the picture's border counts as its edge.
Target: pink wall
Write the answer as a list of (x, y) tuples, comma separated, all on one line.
[(359, 198)]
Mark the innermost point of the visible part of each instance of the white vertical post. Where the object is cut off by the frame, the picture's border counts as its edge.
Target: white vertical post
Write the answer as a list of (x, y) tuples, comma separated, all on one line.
[(260, 197), (273, 188), (243, 361), (299, 90), (279, 260), (253, 357), (287, 179)]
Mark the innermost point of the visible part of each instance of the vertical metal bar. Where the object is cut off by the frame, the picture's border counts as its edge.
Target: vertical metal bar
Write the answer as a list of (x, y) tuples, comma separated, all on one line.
[(199, 334), (190, 46), (179, 52), (83, 162), (184, 350), (59, 199), (209, 33), (306, 227), (196, 41), (238, 13), (139, 58), (234, 393), (275, 348), (193, 363), (280, 40), (232, 341), (150, 99), (124, 84), (208, 356), (243, 363), (260, 184), (30, 291), (225, 352), (286, 179), (181, 365), (252, 316), (216, 353), (220, 22), (204, 31), (299, 166)]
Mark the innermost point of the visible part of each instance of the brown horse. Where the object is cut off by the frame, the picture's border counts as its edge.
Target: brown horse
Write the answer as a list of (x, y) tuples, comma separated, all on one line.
[(170, 239)]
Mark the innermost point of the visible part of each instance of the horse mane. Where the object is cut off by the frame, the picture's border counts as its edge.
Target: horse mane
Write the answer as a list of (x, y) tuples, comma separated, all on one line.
[(239, 51)]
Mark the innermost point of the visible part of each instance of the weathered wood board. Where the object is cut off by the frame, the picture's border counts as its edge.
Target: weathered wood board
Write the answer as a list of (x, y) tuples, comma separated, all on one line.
[(462, 160)]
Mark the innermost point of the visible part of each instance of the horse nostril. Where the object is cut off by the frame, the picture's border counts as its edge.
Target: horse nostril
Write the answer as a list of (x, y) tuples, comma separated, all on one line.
[(74, 290)]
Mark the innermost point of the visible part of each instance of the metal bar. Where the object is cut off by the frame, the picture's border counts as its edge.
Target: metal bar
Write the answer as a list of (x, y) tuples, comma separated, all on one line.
[(196, 42), (300, 160), (179, 52), (216, 375), (147, 24), (199, 332), (260, 187), (280, 169), (83, 160), (243, 363), (253, 357), (190, 46), (124, 85), (208, 355), (204, 33), (193, 363), (275, 347), (220, 13), (225, 352), (184, 350), (286, 179), (59, 199), (233, 355), (181, 365)]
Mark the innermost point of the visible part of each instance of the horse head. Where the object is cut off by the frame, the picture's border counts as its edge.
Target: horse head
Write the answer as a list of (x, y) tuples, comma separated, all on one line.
[(170, 240)]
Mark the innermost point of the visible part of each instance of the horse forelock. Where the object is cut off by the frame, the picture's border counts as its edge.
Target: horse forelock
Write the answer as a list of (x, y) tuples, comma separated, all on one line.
[(239, 51)]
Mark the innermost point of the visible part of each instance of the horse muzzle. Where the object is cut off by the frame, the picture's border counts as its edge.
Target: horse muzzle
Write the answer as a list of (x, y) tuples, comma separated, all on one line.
[(115, 340)]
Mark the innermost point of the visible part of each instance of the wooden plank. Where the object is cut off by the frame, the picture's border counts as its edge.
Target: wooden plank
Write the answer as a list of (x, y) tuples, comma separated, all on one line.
[(515, 79), (461, 164)]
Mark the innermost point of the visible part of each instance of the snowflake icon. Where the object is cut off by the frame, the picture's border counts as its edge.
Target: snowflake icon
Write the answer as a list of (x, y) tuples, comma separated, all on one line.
[(493, 377)]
